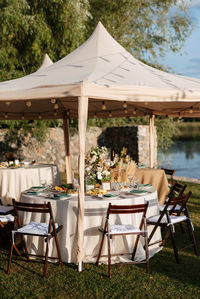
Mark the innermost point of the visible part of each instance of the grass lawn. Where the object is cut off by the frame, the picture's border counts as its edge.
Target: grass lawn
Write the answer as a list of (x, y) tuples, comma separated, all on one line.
[(166, 279)]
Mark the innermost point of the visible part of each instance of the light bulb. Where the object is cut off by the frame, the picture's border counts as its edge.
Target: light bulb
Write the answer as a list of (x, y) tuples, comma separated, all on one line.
[(103, 106), (191, 111), (134, 111), (39, 116), (6, 115), (125, 104), (125, 111), (68, 111), (56, 106), (28, 103), (55, 113), (7, 103), (22, 116), (95, 115), (110, 114), (53, 101)]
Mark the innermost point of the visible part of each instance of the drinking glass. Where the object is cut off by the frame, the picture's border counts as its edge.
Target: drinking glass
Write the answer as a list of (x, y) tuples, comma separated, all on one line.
[(43, 182)]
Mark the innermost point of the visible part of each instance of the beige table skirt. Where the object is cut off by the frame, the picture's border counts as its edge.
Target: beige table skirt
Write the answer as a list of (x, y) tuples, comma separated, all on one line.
[(157, 178), (14, 181), (65, 212)]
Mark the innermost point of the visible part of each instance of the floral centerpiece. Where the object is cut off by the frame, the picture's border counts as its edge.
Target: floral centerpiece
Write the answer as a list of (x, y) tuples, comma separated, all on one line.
[(97, 166)]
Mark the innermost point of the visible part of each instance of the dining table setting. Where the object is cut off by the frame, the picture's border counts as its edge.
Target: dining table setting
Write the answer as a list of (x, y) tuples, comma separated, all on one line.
[(64, 202), (15, 177)]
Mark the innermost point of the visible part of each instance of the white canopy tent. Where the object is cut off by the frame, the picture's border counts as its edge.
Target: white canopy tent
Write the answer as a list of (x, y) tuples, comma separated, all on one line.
[(98, 79)]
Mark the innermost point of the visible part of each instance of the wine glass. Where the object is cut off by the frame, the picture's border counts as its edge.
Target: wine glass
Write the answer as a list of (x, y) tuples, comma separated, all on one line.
[(43, 182)]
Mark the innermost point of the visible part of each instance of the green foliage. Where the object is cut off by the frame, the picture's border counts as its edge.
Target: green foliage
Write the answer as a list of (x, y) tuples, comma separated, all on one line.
[(31, 28)]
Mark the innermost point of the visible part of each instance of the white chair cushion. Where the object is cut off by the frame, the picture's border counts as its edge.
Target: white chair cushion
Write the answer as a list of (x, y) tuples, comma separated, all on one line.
[(174, 219), (36, 228), (123, 229), (6, 218), (177, 208), (6, 209)]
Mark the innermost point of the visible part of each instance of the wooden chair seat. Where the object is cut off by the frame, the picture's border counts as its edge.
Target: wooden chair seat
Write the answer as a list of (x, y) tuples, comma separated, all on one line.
[(111, 230), (175, 212), (47, 230)]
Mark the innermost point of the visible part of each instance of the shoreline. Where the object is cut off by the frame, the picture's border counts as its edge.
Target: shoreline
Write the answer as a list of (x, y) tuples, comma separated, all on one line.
[(186, 179)]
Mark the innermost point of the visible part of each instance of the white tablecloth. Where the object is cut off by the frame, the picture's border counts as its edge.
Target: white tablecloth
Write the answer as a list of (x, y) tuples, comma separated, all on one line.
[(65, 212), (14, 181)]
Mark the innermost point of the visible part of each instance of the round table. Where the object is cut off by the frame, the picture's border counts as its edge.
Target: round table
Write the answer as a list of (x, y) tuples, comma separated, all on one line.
[(65, 212), (13, 181)]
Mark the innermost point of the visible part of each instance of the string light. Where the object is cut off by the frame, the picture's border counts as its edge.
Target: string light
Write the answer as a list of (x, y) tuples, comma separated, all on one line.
[(146, 103), (134, 111), (22, 116), (145, 114), (103, 106), (39, 116), (166, 116), (7, 103), (68, 111), (55, 113), (110, 114), (95, 115), (53, 101), (125, 104), (6, 115), (28, 103), (56, 106), (191, 111), (125, 111), (179, 115)]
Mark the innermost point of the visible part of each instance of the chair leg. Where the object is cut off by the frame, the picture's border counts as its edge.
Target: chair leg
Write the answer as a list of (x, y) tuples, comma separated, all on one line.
[(181, 227), (10, 258), (46, 257), (135, 247), (147, 253), (165, 238), (109, 257), (192, 237), (174, 245), (58, 250), (100, 249), (25, 248)]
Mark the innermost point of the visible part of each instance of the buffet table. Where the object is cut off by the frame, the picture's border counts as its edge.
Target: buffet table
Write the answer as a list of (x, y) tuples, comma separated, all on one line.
[(15, 180), (157, 178), (65, 212)]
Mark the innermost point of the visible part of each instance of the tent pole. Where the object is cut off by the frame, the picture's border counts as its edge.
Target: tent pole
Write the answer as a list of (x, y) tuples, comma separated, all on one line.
[(151, 141), (82, 126), (67, 150)]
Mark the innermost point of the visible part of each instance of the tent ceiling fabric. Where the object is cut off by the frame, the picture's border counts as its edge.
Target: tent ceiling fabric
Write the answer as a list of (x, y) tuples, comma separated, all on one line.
[(102, 70)]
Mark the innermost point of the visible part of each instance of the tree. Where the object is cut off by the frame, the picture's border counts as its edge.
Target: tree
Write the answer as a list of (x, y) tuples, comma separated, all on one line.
[(31, 28)]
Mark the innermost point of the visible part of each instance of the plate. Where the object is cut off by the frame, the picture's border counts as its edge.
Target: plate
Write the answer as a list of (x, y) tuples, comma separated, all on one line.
[(138, 192), (110, 196)]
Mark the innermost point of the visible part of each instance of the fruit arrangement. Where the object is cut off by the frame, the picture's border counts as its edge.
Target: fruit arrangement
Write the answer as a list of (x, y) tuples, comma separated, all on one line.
[(67, 188), (96, 191)]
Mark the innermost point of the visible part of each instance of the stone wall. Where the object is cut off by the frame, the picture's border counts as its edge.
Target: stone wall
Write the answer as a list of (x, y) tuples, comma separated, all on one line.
[(134, 138)]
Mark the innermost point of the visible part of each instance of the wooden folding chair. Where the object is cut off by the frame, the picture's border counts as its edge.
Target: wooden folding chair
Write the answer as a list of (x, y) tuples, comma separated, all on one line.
[(169, 217), (170, 175), (118, 230), (177, 190), (45, 230)]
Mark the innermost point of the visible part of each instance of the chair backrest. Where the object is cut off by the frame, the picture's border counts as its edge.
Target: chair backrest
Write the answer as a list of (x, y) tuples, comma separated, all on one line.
[(177, 190), (170, 173), (177, 204), (33, 208), (127, 209)]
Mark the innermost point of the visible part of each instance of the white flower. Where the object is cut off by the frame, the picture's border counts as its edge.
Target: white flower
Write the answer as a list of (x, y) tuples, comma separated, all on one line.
[(99, 175), (93, 159), (106, 172)]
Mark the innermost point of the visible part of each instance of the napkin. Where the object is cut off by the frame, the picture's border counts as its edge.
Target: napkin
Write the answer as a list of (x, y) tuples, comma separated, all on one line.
[(144, 185), (109, 195), (138, 191)]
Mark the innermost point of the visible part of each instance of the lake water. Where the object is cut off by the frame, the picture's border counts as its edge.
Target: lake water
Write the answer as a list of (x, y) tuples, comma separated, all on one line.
[(184, 156)]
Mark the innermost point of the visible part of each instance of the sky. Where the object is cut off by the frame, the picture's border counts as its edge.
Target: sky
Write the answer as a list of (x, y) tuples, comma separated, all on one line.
[(187, 61)]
